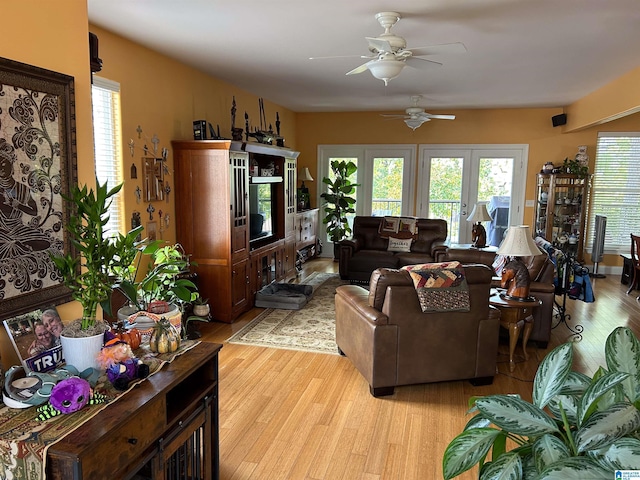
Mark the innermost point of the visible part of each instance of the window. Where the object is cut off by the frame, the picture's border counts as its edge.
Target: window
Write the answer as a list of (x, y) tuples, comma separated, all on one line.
[(105, 96), (615, 190)]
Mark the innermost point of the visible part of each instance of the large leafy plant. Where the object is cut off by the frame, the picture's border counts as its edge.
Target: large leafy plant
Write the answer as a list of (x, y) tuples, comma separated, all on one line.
[(88, 275), (164, 281), (339, 201), (577, 427)]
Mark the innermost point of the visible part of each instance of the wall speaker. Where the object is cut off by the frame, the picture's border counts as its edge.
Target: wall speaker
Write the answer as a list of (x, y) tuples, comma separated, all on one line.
[(558, 120), (94, 59)]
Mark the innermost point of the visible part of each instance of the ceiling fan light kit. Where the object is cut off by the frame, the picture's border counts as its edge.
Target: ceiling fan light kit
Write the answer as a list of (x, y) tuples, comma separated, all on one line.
[(414, 123), (385, 70)]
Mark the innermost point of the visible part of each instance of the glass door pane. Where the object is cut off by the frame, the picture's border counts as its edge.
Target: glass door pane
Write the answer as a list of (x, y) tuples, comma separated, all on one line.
[(494, 188), (445, 190), (386, 190)]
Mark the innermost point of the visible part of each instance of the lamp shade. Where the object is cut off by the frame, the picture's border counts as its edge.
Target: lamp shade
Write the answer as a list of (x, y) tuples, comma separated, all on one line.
[(305, 175), (385, 69), (518, 243), (479, 213)]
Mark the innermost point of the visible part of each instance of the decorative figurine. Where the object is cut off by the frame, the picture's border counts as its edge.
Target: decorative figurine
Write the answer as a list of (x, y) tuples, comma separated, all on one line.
[(582, 156), (132, 146), (167, 190), (155, 140), (138, 194), (151, 209)]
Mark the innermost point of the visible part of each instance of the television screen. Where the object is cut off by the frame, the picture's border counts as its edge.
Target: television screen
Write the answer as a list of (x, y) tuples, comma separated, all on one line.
[(262, 211)]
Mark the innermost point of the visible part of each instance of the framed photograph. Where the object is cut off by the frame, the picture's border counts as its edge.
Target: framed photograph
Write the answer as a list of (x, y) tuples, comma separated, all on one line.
[(36, 339), (152, 231), (37, 166)]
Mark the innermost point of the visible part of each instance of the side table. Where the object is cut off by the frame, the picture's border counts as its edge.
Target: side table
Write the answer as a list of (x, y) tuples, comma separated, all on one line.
[(514, 315)]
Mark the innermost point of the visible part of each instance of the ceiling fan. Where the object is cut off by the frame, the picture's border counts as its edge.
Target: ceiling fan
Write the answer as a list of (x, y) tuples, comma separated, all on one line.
[(415, 116), (389, 53)]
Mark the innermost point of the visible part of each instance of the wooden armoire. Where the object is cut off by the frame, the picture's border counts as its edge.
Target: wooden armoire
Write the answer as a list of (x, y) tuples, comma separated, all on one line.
[(213, 210)]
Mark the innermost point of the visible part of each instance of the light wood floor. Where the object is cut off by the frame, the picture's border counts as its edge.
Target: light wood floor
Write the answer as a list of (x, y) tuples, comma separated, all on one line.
[(295, 415)]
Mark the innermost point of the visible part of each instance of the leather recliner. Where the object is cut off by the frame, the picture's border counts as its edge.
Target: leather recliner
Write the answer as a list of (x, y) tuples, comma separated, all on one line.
[(391, 342), (542, 274)]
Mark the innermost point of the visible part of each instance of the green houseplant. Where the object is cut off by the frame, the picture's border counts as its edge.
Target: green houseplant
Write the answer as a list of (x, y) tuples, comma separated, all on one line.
[(577, 427), (164, 280), (88, 276), (339, 202)]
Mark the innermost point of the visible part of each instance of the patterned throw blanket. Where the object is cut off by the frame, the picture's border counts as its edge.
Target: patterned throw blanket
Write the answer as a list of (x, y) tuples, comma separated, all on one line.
[(441, 287)]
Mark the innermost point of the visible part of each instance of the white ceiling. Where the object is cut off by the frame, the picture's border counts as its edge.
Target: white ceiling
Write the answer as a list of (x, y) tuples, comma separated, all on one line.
[(520, 53)]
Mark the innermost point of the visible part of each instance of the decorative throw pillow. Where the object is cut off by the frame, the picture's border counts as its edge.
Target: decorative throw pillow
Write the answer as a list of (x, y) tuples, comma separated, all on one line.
[(399, 244), (389, 225), (441, 287), (408, 225)]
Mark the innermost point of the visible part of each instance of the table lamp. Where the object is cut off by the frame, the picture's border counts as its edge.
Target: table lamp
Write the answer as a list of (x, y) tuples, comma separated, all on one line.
[(305, 175), (515, 276), (479, 214)]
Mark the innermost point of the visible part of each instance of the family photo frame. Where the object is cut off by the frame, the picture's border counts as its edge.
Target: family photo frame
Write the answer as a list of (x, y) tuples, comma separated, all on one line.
[(37, 166)]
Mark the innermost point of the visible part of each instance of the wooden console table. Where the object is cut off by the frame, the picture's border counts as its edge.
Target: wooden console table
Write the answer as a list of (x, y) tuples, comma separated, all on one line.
[(165, 428)]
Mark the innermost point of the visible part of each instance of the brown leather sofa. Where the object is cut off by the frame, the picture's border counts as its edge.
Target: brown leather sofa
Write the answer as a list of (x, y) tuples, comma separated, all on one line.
[(542, 273), (366, 250), (391, 342)]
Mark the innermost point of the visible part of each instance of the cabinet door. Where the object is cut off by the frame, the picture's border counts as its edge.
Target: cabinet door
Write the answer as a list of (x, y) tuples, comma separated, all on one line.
[(239, 204), (240, 285), (289, 195), (289, 258)]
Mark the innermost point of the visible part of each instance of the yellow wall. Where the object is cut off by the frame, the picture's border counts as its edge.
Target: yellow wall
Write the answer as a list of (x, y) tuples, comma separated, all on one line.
[(53, 35), (164, 97)]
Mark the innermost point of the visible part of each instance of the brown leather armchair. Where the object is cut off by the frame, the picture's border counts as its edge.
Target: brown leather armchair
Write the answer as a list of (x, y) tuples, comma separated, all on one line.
[(542, 274), (391, 342)]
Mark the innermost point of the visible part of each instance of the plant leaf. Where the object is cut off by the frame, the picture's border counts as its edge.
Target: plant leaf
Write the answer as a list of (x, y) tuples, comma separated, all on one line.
[(466, 450), (575, 384), (622, 353), (552, 373), (596, 390), (570, 404), (575, 468), (506, 467), (477, 421), (516, 416), (605, 427), (547, 450), (623, 454)]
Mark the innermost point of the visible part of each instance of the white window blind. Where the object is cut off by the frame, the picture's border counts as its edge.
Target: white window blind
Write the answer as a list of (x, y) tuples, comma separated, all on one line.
[(105, 96), (615, 191)]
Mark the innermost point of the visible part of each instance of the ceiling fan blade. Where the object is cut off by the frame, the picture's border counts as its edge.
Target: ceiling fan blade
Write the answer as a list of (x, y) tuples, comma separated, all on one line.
[(379, 44), (441, 117), (342, 56), (443, 49), (390, 115), (360, 69), (421, 63)]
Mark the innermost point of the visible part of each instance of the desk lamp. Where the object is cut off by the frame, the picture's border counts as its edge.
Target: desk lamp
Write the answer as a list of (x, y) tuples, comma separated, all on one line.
[(515, 276), (305, 175), (479, 214)]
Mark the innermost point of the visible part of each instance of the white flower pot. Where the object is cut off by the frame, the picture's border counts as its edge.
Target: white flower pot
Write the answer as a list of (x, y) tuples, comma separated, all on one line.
[(82, 352)]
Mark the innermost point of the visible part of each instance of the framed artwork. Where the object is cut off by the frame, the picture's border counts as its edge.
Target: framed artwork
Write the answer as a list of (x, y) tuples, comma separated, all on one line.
[(37, 166), (151, 231), (36, 339)]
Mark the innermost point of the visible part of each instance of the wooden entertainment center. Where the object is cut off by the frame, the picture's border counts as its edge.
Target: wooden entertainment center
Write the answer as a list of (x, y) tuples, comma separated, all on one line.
[(215, 213), (166, 427)]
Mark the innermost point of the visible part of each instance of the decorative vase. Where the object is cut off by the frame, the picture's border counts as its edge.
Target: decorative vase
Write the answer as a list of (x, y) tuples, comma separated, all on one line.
[(82, 352), (146, 323), (201, 310)]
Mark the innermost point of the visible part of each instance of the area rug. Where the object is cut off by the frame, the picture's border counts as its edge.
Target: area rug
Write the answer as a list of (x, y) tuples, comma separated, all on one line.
[(310, 329)]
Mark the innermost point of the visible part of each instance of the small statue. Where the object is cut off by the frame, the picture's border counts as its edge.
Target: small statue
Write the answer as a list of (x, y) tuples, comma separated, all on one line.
[(515, 278), (582, 156), (479, 235)]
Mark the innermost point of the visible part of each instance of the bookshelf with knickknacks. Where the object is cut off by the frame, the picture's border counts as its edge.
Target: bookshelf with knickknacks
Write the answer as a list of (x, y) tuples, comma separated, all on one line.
[(560, 210)]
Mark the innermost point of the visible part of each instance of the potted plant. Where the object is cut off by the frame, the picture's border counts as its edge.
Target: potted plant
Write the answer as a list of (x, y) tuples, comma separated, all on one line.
[(339, 202), (201, 306), (88, 275), (164, 289), (576, 427)]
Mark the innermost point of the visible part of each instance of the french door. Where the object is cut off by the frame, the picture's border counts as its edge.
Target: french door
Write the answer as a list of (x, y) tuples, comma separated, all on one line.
[(452, 179), (386, 175)]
